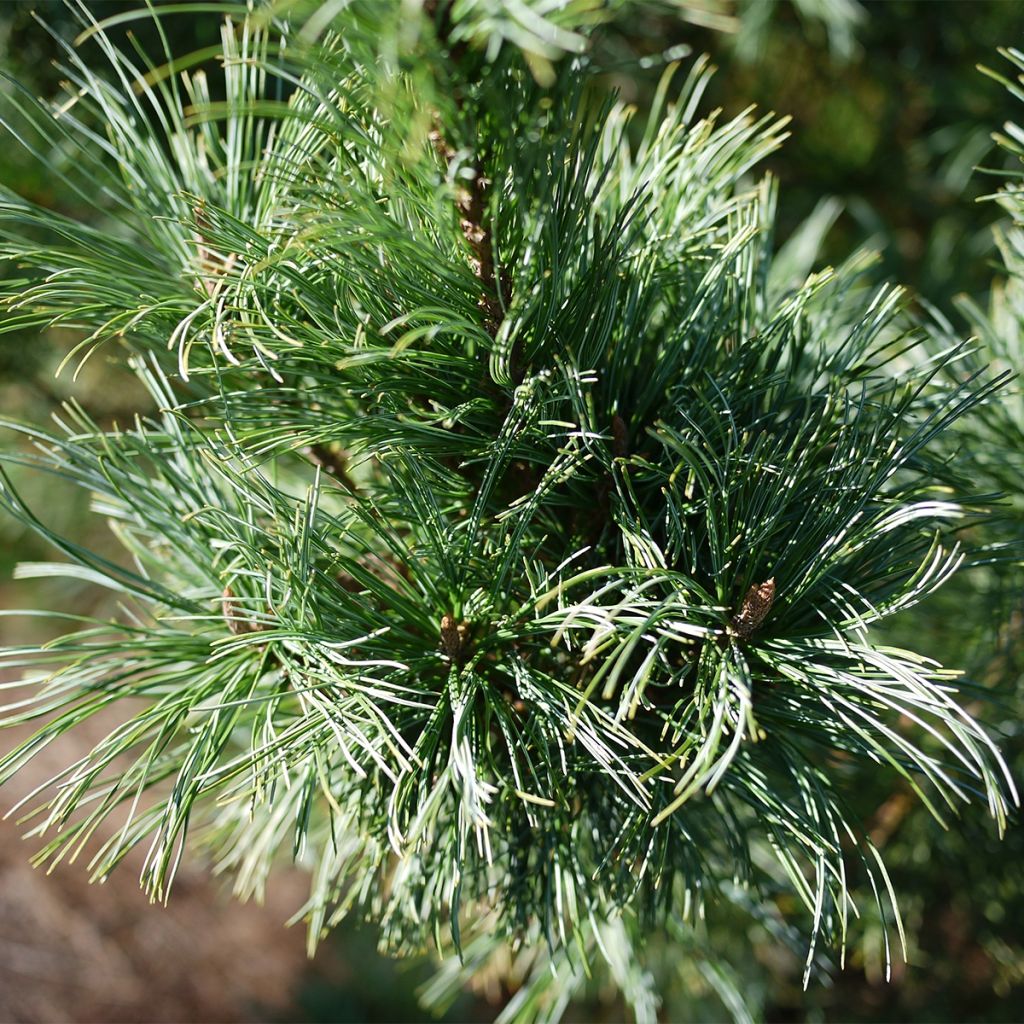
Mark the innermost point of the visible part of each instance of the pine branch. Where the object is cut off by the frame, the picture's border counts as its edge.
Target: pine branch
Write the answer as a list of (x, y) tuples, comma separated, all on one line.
[(574, 661)]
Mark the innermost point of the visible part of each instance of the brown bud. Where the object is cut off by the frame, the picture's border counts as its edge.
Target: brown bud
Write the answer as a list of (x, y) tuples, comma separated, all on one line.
[(453, 636), (236, 623), (754, 609)]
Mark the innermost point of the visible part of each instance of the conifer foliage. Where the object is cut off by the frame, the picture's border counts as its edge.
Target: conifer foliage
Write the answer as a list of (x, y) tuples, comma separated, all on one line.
[(506, 534)]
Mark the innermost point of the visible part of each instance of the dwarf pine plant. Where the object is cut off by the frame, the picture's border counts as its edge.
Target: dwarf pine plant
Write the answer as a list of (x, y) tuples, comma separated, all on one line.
[(508, 529)]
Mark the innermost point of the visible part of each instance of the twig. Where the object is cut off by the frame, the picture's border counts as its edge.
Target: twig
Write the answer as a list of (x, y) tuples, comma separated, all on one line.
[(333, 464)]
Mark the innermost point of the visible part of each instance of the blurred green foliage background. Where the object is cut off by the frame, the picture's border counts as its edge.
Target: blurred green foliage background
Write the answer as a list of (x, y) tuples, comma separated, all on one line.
[(891, 118)]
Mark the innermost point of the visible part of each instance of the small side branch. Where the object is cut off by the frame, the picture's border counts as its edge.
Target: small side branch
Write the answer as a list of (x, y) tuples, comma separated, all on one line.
[(471, 202)]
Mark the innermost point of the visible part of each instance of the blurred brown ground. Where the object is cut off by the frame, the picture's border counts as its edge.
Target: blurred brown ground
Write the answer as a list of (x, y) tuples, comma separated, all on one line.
[(71, 951)]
